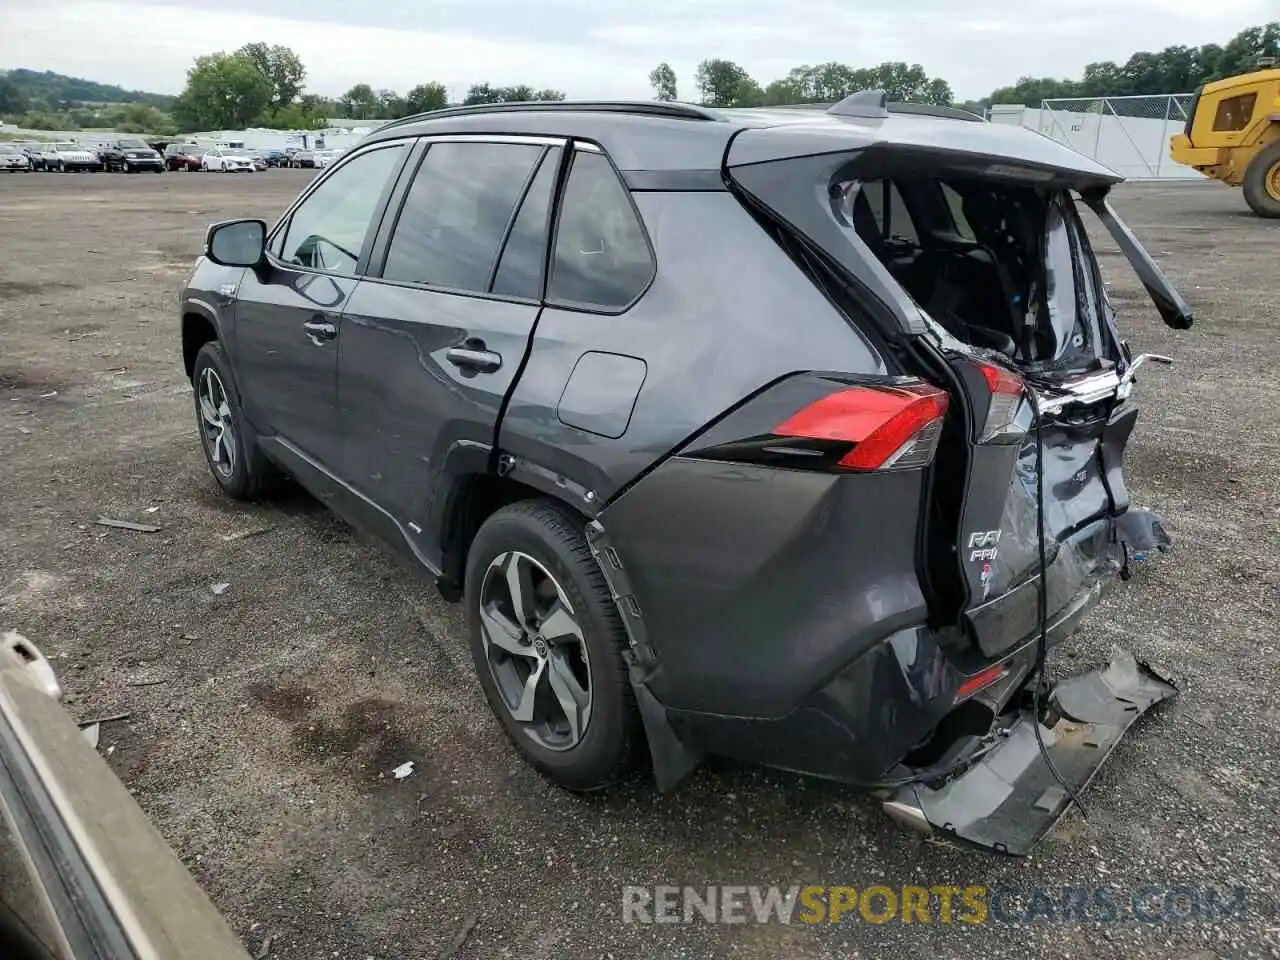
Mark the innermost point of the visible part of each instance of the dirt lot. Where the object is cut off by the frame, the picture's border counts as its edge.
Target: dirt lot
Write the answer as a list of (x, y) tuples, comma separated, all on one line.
[(264, 755)]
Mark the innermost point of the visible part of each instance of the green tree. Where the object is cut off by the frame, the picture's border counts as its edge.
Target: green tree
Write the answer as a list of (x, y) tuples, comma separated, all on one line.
[(427, 96), (722, 83), (224, 92), (548, 93), (12, 98), (281, 66), (142, 118), (391, 105), (481, 93), (360, 102), (663, 80)]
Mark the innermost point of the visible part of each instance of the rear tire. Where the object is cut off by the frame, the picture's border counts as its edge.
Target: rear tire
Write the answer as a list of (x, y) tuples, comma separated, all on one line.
[(603, 743), (1262, 181), (230, 448)]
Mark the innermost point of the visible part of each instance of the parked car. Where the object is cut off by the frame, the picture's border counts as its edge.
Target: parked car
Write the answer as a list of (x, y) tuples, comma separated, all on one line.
[(259, 161), (753, 466), (275, 158), (68, 157), (83, 873), (235, 161), (211, 158), (130, 155), (183, 156), (31, 150), (303, 158), (13, 160)]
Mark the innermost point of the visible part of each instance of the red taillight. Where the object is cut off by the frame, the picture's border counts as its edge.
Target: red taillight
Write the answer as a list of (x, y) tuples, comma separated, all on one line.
[(890, 427), (980, 681), (1006, 398)]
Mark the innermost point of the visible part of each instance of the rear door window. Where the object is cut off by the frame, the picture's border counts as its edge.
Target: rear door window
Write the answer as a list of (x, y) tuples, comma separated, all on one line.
[(602, 257), (457, 212), (519, 271)]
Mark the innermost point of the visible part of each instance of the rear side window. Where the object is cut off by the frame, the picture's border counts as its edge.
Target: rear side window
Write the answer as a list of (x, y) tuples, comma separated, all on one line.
[(891, 214), (329, 229), (602, 257), (520, 269), (1234, 113), (456, 213)]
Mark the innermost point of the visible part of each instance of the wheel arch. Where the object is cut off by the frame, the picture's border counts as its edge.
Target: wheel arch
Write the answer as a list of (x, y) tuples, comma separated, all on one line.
[(197, 329)]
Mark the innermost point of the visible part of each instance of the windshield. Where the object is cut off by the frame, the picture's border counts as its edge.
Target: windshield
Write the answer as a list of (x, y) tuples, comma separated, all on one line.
[(5, 148), (134, 145), (64, 146)]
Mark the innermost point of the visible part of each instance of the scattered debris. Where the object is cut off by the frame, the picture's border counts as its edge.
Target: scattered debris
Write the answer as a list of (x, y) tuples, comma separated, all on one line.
[(49, 396), (25, 431), (219, 588), (403, 771), (265, 950), (109, 719), (460, 937), (127, 525), (152, 509), (145, 683), (91, 734), (246, 534)]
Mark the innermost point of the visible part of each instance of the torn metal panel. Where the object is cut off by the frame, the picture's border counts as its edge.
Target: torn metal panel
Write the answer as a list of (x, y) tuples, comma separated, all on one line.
[(1009, 799)]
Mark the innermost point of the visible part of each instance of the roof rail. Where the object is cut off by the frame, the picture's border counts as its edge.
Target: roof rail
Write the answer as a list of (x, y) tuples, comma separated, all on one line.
[(874, 104), (935, 110), (647, 108)]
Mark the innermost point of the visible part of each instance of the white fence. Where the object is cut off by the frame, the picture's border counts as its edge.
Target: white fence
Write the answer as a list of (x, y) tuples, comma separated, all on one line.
[(1128, 134)]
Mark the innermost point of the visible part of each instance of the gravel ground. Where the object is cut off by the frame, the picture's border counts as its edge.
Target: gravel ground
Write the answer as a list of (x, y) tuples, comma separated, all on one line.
[(264, 754)]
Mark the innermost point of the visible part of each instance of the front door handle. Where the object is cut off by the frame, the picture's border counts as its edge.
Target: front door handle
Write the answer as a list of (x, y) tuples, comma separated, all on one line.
[(320, 331), (481, 360)]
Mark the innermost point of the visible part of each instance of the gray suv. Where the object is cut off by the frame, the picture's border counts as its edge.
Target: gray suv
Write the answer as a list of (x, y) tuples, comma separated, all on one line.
[(793, 435)]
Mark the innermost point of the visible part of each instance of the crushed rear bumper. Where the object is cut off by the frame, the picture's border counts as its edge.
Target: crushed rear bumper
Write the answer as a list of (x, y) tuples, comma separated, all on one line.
[(1009, 799)]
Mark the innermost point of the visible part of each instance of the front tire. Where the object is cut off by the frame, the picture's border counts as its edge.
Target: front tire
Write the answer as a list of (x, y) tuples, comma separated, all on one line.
[(1262, 181), (547, 641), (236, 462)]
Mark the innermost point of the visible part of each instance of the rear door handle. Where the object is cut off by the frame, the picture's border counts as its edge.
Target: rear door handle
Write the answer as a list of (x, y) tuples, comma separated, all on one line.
[(320, 331), (465, 358)]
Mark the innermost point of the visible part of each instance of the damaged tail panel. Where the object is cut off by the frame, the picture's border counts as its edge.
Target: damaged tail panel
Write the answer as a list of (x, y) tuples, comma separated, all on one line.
[(1010, 796)]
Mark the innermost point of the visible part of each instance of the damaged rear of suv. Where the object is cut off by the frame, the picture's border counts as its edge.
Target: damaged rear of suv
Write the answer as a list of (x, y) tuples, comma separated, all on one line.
[(899, 548), (790, 435)]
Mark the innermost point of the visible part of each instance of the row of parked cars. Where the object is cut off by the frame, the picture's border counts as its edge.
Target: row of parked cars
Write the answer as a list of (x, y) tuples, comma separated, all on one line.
[(136, 155)]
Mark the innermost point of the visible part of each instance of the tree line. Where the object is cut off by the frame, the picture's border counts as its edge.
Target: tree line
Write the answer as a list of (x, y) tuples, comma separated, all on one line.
[(265, 85), (1177, 69), (1172, 70), (723, 83)]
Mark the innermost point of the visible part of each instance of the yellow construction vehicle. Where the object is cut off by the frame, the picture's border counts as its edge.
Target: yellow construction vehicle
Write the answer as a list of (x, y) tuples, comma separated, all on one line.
[(1233, 135)]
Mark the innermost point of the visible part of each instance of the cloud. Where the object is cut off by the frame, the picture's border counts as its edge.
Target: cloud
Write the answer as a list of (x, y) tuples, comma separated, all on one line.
[(602, 48)]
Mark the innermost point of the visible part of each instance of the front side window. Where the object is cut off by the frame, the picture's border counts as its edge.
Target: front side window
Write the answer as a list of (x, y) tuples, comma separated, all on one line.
[(602, 257), (456, 213), (330, 228)]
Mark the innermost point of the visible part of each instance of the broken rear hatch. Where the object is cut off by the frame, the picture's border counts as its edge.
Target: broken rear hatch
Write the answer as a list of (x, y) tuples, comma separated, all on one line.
[(979, 267)]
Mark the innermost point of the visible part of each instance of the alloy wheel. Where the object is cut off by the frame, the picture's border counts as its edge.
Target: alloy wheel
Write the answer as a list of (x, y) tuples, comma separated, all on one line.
[(536, 652), (217, 426)]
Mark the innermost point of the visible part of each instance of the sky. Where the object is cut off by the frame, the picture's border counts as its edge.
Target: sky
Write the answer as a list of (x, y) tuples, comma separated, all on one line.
[(603, 48)]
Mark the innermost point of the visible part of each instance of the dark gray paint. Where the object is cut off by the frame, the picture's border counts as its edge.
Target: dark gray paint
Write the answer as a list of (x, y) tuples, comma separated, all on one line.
[(725, 316), (403, 406), (288, 382), (601, 393)]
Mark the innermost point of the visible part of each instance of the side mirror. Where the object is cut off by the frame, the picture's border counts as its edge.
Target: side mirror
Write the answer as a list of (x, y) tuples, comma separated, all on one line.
[(236, 243)]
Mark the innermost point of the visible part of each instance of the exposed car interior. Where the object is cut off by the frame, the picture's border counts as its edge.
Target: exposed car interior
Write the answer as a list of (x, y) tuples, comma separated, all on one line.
[(987, 261)]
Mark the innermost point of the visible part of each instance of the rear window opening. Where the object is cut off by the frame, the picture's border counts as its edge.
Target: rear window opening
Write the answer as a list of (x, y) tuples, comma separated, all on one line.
[(999, 265)]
